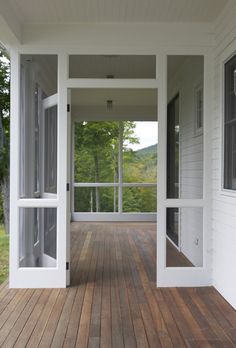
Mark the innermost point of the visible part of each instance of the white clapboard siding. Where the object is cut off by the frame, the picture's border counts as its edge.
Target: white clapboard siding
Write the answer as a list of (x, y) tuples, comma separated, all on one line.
[(223, 206)]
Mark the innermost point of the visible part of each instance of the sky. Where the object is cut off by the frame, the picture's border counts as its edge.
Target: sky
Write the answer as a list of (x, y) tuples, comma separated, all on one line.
[(147, 134)]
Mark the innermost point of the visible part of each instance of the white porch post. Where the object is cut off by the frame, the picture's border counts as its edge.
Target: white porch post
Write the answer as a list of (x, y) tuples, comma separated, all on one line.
[(14, 165), (161, 183), (62, 162), (69, 189)]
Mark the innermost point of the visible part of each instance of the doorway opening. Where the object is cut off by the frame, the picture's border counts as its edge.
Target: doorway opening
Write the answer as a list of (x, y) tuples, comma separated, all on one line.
[(114, 159), (114, 155)]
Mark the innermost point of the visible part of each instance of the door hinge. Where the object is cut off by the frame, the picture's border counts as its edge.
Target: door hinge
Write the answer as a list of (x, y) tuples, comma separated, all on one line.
[(67, 187), (67, 266), (68, 107)]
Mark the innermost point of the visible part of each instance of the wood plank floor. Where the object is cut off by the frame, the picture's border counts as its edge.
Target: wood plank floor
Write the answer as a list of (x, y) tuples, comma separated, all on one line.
[(113, 300), (176, 258)]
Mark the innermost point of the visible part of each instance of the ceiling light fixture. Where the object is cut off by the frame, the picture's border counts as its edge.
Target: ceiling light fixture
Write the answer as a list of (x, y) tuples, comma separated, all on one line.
[(109, 104)]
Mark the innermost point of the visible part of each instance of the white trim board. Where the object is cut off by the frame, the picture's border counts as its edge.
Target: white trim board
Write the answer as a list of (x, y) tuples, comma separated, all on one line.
[(115, 217)]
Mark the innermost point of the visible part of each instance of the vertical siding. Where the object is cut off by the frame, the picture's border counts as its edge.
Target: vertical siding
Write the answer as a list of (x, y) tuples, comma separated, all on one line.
[(223, 207)]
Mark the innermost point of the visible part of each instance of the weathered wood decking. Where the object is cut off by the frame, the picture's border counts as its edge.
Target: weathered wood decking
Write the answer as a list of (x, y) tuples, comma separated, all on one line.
[(113, 301)]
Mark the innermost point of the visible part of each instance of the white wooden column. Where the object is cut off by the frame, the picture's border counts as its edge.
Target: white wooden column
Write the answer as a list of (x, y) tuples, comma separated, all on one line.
[(69, 186), (62, 164), (161, 183), (14, 166)]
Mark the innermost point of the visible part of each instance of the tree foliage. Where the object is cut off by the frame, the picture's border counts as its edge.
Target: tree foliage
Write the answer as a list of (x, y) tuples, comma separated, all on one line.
[(4, 114), (4, 136)]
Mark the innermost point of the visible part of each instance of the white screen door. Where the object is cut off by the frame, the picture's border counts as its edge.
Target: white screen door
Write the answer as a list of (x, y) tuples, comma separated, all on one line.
[(49, 147), (183, 193), (40, 261), (48, 217), (38, 172)]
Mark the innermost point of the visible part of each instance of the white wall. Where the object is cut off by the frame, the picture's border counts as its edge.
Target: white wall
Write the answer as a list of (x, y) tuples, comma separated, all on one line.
[(224, 206), (187, 77)]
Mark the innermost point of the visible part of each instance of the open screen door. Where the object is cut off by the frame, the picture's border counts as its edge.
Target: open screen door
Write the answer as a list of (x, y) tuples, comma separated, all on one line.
[(48, 217), (42, 225)]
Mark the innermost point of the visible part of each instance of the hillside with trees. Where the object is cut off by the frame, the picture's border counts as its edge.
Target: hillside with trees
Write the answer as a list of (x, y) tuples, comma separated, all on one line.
[(96, 160)]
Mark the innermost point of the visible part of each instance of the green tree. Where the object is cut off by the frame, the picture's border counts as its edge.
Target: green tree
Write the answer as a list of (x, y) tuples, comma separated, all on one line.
[(96, 159), (98, 142), (4, 135)]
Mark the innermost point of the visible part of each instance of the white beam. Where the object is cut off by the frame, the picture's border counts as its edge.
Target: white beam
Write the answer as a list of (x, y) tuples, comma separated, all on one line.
[(114, 217), (10, 25), (112, 83)]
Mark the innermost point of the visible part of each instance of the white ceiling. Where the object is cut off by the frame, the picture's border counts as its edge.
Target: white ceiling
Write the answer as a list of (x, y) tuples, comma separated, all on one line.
[(119, 66), (67, 11)]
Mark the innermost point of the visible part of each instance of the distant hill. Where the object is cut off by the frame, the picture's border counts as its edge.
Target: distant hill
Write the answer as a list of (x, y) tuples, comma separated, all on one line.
[(147, 150)]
